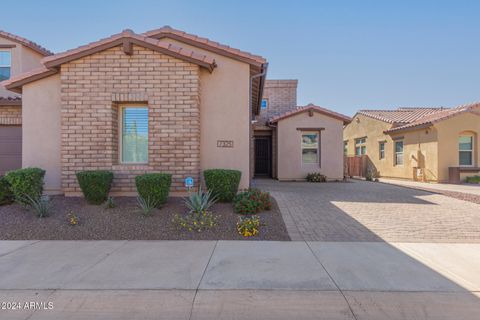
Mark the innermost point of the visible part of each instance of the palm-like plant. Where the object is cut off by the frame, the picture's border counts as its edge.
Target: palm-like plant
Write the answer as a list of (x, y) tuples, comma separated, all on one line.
[(199, 202)]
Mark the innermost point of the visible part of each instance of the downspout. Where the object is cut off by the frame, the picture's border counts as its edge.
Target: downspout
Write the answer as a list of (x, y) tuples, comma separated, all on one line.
[(262, 84)]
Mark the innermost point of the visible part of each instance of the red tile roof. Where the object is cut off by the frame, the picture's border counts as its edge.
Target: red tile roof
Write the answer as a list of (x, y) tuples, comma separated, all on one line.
[(205, 43), (15, 83), (314, 108), (440, 115), (116, 39), (51, 63), (400, 115), (10, 100), (27, 43)]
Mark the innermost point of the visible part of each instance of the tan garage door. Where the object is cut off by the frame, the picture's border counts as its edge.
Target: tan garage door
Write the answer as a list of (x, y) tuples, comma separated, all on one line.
[(10, 148)]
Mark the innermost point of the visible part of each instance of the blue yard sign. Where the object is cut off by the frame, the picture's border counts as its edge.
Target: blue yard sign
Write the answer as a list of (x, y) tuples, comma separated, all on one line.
[(188, 182)]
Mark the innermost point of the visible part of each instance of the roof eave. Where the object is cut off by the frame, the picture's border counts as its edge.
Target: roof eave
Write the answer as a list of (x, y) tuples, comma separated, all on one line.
[(411, 128)]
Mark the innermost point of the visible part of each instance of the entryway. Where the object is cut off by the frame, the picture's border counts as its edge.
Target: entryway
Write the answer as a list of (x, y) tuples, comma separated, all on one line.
[(263, 156)]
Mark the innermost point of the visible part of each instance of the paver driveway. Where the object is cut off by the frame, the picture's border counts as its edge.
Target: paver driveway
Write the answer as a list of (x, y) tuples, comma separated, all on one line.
[(369, 211)]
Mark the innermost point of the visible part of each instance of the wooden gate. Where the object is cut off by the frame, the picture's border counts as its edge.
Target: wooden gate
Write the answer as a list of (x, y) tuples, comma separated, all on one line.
[(355, 166)]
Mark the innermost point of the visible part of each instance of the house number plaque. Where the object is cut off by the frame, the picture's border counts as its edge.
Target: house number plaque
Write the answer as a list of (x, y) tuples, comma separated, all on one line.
[(224, 143)]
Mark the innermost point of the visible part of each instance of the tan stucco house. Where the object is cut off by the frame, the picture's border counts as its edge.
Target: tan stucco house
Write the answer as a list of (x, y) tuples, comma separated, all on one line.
[(166, 101), (291, 141), (17, 55), (424, 144)]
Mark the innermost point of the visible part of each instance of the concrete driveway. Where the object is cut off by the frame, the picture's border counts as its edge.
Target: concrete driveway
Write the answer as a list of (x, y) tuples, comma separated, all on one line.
[(238, 280), (369, 211)]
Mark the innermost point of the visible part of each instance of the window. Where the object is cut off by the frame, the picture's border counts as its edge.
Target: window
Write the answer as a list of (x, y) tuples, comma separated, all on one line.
[(264, 104), (134, 134), (465, 150), (5, 65), (398, 153), (360, 146), (310, 148), (345, 147), (381, 149)]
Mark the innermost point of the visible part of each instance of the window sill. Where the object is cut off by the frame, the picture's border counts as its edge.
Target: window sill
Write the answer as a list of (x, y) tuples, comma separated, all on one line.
[(132, 166)]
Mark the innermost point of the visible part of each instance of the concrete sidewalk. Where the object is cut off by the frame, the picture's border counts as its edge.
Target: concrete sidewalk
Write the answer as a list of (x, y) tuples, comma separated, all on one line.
[(240, 280), (469, 188)]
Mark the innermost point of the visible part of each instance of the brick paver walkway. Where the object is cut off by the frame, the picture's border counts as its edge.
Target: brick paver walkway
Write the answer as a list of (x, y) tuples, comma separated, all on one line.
[(369, 211)]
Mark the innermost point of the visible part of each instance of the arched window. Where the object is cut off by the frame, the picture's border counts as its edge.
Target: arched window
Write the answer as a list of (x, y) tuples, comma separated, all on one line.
[(465, 150)]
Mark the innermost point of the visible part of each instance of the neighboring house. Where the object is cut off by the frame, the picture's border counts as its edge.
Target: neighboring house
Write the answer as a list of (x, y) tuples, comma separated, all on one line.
[(292, 141), (17, 55), (132, 103), (423, 144)]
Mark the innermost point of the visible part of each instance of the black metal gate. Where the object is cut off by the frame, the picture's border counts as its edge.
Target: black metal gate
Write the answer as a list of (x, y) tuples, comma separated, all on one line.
[(263, 156)]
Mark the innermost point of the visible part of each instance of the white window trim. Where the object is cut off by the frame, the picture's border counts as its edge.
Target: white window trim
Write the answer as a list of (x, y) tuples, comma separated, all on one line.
[(301, 147), (7, 65), (266, 108), (120, 133), (360, 145), (472, 157), (395, 153), (380, 155)]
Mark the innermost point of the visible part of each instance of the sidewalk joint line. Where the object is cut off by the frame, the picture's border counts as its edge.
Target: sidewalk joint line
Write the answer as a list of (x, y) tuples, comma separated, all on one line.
[(334, 282), (201, 278)]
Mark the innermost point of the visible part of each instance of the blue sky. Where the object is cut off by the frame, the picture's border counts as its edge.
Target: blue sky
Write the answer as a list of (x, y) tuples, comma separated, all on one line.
[(347, 55)]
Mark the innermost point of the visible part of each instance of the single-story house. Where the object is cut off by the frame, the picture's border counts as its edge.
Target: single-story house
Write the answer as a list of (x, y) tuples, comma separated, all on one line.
[(160, 101), (424, 144)]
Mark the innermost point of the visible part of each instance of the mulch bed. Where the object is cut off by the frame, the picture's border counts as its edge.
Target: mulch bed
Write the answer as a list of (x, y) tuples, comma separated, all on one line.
[(126, 222)]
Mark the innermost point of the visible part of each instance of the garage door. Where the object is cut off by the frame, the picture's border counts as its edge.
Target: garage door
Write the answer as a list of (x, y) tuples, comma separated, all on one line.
[(10, 148)]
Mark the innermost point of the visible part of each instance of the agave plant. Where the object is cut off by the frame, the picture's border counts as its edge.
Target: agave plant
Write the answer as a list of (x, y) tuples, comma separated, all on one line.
[(199, 202), (41, 206), (146, 204)]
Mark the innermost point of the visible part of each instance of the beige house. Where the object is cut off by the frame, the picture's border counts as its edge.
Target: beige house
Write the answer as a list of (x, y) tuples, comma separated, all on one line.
[(292, 141), (424, 144), (162, 101), (17, 55)]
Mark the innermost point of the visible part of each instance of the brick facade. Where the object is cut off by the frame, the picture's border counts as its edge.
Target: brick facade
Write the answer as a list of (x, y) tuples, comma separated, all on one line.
[(93, 88), (10, 115), (281, 96)]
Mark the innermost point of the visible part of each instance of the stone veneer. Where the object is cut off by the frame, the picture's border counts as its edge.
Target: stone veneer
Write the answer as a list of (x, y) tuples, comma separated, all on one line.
[(10, 115), (93, 88)]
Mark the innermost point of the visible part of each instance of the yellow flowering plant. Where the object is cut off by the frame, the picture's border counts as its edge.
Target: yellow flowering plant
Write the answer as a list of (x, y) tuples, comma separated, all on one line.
[(248, 226), (72, 219)]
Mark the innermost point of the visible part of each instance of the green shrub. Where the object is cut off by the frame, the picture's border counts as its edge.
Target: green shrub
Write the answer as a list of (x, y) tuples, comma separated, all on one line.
[(154, 186), (316, 177), (25, 183), (252, 201), (474, 179), (147, 205), (200, 202), (110, 204), (222, 183), (42, 205), (95, 185), (6, 195)]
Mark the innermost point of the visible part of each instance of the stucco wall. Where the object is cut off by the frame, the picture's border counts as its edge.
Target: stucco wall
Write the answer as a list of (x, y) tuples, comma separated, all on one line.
[(290, 165), (224, 114), (448, 132), (23, 59), (419, 148), (41, 129)]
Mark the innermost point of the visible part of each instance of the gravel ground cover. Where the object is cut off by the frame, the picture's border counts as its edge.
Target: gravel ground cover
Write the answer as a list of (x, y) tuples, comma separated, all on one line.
[(126, 222)]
